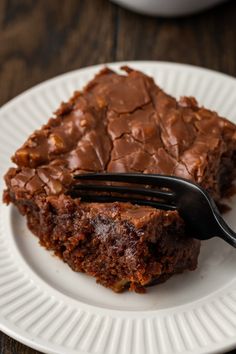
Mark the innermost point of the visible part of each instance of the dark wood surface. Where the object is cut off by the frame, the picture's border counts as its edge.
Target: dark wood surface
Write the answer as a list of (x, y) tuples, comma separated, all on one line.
[(40, 39)]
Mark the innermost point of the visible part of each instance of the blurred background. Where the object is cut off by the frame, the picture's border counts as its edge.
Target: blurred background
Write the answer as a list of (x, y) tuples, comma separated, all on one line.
[(40, 39)]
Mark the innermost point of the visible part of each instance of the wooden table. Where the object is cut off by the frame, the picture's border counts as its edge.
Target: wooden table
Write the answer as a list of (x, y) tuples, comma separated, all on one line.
[(40, 39)]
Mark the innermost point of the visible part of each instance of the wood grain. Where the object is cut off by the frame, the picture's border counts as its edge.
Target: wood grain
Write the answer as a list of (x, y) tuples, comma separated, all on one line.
[(206, 39), (40, 39)]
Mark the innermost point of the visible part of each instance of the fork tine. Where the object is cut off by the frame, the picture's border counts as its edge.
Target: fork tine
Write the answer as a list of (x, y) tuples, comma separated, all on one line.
[(168, 196), (110, 199), (137, 178)]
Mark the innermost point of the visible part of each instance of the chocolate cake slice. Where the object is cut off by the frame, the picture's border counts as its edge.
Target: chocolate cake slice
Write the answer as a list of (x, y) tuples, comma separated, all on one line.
[(120, 123)]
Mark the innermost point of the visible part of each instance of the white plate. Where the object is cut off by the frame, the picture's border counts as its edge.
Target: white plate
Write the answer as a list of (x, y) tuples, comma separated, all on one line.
[(47, 306)]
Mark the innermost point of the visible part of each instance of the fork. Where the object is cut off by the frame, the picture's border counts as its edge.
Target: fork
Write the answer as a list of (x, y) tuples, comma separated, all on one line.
[(193, 203)]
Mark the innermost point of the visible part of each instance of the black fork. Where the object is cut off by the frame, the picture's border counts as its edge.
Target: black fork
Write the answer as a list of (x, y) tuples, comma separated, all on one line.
[(193, 203)]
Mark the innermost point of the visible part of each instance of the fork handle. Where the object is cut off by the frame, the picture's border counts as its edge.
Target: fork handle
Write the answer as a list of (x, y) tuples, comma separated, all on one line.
[(224, 231)]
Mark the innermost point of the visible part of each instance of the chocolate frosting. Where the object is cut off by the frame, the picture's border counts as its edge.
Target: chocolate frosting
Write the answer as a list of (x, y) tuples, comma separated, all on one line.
[(122, 123)]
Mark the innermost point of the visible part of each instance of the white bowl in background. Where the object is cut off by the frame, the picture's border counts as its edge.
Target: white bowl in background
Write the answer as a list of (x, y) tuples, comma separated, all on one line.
[(167, 7)]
